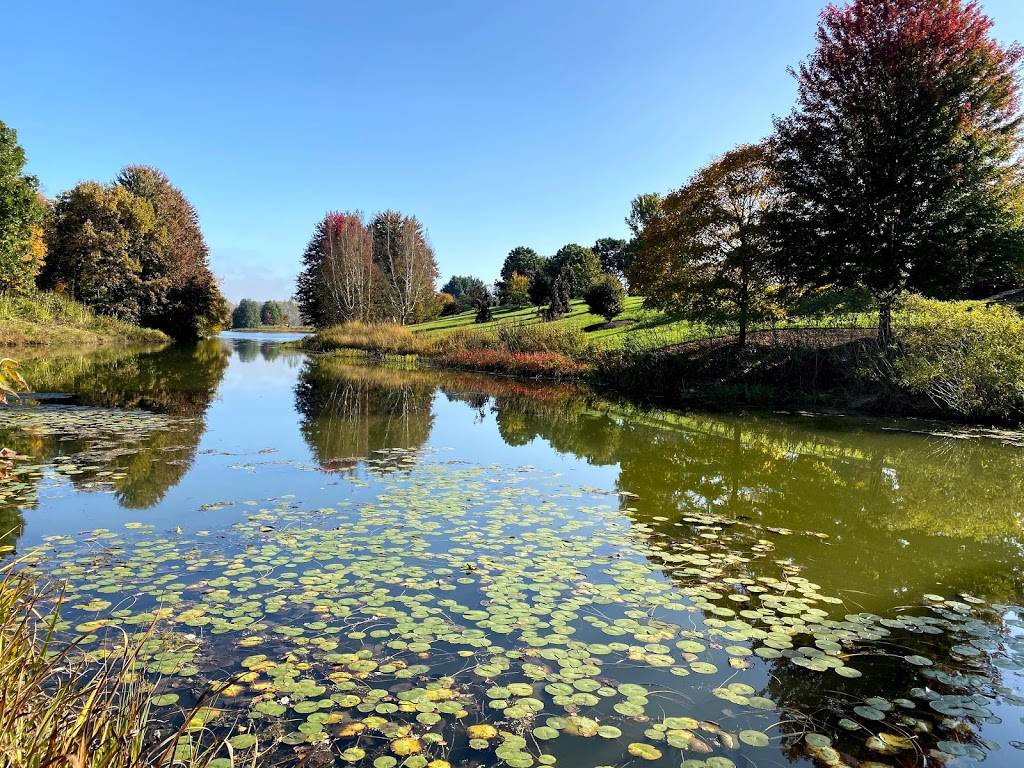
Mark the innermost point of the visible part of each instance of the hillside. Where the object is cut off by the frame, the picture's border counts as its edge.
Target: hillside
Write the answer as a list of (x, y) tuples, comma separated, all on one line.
[(650, 328)]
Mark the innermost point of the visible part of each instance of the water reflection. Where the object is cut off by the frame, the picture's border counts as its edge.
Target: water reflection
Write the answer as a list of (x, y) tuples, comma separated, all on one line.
[(878, 516), (350, 412), (132, 424)]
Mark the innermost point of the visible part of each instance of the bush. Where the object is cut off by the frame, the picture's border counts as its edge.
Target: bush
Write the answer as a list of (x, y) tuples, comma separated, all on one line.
[(604, 297), (549, 365), (966, 356)]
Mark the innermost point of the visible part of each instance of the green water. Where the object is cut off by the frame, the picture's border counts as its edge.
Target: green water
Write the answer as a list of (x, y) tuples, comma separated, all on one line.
[(397, 567)]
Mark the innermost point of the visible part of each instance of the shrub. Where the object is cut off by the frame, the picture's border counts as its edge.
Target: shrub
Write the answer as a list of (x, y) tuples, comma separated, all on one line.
[(966, 356), (550, 365), (448, 305), (604, 297)]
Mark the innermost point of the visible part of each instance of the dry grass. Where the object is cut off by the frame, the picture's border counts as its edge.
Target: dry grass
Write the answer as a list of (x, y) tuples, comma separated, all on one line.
[(378, 339), (59, 711)]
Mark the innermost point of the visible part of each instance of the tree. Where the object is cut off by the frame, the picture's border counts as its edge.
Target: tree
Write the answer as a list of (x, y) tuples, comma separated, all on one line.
[(604, 297), (583, 263), (270, 313), (246, 314), (98, 239), (643, 209), (614, 255), (462, 288), (708, 254), (21, 217), (482, 299), (181, 296), (515, 291), (339, 280), (523, 260), (899, 164), (561, 293), (407, 265), (540, 289)]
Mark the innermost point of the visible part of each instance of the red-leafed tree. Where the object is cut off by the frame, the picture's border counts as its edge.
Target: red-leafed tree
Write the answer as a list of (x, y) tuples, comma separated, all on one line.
[(899, 167), (339, 280)]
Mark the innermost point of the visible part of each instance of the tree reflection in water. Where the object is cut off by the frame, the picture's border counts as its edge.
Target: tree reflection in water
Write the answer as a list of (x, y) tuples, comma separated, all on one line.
[(177, 381)]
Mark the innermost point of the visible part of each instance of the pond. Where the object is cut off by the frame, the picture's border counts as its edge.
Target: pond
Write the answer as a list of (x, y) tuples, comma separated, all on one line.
[(381, 566)]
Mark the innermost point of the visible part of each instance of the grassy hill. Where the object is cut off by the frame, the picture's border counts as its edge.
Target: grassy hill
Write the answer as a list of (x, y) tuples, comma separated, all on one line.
[(644, 328), (651, 327)]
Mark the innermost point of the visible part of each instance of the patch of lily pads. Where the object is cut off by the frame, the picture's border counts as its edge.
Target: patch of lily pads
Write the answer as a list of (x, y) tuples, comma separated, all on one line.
[(503, 617)]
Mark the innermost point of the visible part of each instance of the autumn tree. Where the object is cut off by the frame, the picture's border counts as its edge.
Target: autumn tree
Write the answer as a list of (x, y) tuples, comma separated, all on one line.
[(462, 288), (339, 280), (98, 238), (181, 295), (21, 216), (708, 254), (515, 291), (899, 165), (407, 266)]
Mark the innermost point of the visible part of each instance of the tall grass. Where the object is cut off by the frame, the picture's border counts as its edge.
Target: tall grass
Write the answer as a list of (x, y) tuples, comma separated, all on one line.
[(378, 339), (515, 348), (57, 710), (46, 318)]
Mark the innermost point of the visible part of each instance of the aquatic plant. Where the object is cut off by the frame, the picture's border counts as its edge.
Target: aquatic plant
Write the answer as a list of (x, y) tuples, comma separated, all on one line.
[(500, 613)]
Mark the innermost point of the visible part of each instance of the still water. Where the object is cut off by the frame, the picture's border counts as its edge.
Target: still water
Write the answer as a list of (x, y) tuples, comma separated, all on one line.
[(378, 566)]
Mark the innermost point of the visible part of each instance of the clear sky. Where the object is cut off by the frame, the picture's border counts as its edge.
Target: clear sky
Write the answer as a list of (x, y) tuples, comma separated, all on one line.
[(498, 124)]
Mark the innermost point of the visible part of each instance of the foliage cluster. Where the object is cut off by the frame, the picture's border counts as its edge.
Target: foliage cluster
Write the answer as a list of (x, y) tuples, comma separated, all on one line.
[(965, 356), (133, 250), (21, 219), (383, 270)]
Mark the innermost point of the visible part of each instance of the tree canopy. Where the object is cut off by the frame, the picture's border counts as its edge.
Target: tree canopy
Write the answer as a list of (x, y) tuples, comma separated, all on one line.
[(462, 288), (583, 263), (708, 254), (21, 216), (899, 163)]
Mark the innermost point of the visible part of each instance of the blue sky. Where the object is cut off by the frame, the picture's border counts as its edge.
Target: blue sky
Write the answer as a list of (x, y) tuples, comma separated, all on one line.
[(497, 124)]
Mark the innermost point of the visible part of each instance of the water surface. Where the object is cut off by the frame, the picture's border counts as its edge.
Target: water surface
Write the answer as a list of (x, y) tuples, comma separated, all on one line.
[(385, 566)]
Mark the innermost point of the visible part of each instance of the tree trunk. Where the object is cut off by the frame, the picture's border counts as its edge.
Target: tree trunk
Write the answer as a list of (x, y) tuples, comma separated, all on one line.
[(885, 322)]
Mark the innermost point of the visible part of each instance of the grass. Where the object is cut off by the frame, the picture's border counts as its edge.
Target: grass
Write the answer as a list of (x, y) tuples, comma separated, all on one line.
[(47, 319), (636, 327), (655, 327), (57, 709)]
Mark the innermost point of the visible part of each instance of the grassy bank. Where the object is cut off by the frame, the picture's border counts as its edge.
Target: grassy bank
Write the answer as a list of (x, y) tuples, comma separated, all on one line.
[(46, 319), (961, 360)]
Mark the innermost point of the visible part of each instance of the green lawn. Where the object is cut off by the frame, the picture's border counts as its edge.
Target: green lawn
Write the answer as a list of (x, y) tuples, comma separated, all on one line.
[(651, 329)]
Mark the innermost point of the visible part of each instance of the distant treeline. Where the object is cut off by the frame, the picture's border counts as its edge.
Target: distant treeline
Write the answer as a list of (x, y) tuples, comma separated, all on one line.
[(255, 314)]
